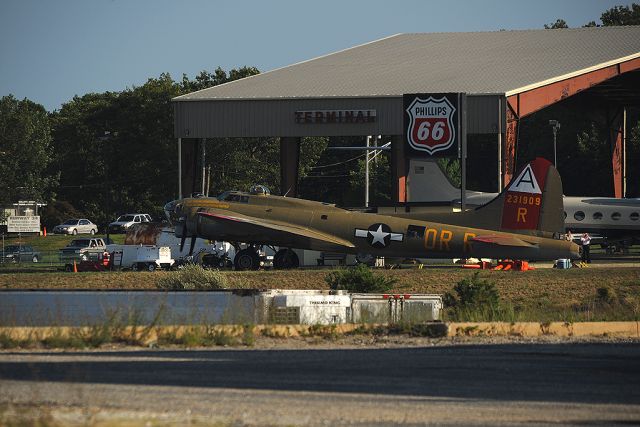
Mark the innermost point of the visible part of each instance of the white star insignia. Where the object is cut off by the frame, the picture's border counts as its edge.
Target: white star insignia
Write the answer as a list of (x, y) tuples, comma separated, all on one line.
[(378, 235)]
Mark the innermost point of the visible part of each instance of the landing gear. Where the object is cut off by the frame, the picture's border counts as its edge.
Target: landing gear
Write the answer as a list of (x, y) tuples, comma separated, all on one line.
[(216, 261), (247, 259), (367, 259), (285, 259)]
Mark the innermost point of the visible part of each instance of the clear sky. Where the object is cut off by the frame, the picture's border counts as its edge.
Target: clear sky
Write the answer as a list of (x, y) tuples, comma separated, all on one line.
[(52, 50)]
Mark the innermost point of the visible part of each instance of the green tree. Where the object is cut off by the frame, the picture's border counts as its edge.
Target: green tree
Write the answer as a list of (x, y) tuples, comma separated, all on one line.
[(337, 176), (80, 130), (621, 15), (25, 151), (379, 181), (116, 151), (560, 23), (206, 79)]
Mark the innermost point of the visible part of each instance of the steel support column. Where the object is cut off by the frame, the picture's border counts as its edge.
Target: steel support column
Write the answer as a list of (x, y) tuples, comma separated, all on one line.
[(616, 127), (289, 165), (510, 146), (624, 152), (189, 166), (399, 167), (179, 168)]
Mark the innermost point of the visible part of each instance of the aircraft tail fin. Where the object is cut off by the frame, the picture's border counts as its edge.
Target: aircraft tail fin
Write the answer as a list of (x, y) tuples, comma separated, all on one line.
[(531, 203), (431, 183)]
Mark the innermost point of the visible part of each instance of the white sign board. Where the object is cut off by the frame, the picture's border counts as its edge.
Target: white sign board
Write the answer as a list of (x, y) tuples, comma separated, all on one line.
[(23, 224)]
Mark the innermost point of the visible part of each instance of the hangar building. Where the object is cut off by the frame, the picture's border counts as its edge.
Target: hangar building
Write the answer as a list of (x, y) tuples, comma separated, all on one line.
[(507, 75)]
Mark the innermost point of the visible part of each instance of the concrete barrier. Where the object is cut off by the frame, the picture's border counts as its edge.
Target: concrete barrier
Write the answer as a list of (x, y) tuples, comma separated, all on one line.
[(80, 308), (537, 329), (151, 334)]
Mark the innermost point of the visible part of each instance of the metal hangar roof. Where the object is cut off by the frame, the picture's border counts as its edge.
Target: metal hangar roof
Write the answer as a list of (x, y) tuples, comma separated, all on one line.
[(502, 62), (492, 67)]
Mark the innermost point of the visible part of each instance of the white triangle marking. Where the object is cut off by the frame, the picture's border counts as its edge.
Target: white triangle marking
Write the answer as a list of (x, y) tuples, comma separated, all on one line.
[(526, 182)]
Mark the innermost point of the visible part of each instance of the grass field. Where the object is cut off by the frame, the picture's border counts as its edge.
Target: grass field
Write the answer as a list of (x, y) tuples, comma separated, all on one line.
[(544, 294), (48, 247), (593, 293)]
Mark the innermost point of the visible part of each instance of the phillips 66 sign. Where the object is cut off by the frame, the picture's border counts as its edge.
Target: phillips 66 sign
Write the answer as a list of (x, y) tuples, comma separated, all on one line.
[(432, 124)]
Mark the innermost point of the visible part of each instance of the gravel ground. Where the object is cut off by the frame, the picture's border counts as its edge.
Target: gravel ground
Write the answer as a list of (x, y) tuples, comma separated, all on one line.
[(356, 381)]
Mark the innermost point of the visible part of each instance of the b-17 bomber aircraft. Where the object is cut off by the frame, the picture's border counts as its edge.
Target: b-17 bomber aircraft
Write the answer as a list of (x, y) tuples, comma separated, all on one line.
[(524, 222)]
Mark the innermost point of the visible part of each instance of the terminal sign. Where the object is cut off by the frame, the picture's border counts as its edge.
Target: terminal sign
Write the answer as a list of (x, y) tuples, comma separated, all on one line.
[(335, 116)]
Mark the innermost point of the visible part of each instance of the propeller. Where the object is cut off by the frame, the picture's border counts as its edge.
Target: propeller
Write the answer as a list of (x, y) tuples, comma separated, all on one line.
[(193, 243), (182, 240)]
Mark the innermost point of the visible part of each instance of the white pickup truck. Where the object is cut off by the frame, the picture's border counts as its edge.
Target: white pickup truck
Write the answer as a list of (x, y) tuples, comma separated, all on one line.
[(141, 257), (83, 249)]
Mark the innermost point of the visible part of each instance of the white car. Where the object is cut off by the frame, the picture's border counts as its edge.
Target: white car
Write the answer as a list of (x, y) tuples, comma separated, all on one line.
[(76, 226), (122, 224)]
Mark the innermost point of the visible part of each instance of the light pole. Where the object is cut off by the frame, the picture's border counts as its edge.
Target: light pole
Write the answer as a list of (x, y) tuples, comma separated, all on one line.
[(555, 125), (366, 173)]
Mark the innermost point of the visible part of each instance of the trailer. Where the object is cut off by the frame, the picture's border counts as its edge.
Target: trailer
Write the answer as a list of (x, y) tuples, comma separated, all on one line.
[(141, 257)]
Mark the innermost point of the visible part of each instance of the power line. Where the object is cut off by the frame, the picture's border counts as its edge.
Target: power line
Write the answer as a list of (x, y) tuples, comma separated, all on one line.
[(339, 163)]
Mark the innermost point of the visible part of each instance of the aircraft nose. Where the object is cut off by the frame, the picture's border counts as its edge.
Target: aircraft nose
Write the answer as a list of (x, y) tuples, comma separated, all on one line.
[(170, 211)]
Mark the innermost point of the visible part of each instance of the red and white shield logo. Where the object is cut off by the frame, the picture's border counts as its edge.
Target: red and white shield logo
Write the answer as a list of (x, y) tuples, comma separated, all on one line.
[(431, 126)]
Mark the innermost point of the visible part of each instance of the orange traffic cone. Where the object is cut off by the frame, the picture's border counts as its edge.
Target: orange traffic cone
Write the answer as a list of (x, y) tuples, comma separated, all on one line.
[(75, 267), (44, 232)]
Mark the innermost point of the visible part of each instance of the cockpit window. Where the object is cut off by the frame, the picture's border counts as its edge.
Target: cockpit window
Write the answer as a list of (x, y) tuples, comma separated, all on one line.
[(415, 232), (261, 190), (229, 196)]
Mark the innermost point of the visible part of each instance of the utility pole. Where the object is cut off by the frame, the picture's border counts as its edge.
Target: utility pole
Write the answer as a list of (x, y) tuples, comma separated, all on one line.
[(366, 174), (555, 125)]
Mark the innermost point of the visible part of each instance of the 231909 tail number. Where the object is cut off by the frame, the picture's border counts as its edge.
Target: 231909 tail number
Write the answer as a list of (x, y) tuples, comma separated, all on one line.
[(524, 199)]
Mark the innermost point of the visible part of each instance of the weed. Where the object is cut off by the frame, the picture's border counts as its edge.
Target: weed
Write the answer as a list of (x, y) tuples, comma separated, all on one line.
[(359, 279), (327, 332), (475, 300), (193, 277), (273, 332), (430, 330), (606, 295), (248, 336), (60, 340), (26, 415), (200, 336), (7, 341), (194, 337)]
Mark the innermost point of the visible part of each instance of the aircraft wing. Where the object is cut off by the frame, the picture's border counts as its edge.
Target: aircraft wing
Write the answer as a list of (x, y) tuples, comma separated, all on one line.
[(500, 240), (254, 225)]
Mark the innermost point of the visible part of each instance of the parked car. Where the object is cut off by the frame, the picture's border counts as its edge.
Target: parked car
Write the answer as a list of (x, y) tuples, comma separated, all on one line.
[(76, 226), (83, 249), (20, 253), (123, 222)]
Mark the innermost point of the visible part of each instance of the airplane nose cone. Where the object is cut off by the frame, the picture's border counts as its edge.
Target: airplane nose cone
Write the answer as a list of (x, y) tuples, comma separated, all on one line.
[(170, 210)]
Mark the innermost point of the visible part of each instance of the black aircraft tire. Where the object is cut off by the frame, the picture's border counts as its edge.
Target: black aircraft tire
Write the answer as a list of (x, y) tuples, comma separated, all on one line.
[(286, 259), (247, 259)]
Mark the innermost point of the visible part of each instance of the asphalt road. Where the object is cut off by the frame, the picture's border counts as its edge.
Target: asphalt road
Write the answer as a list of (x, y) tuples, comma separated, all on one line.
[(471, 384)]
